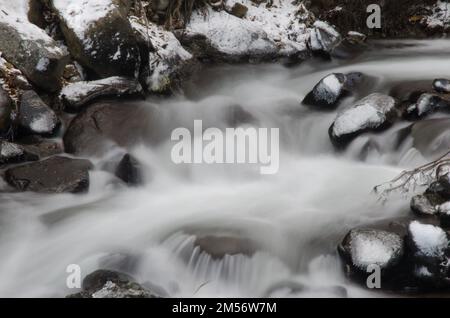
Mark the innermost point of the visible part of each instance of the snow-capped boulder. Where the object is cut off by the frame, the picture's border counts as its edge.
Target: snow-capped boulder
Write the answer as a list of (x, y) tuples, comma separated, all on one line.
[(99, 36), (441, 85), (428, 247), (421, 205), (76, 95), (5, 111), (364, 247), (372, 113), (53, 175), (129, 170), (29, 48), (263, 33), (166, 60), (323, 38), (35, 117), (111, 284), (426, 104), (14, 153), (327, 92)]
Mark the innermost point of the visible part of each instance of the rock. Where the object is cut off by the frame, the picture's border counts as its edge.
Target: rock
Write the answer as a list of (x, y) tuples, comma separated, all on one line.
[(35, 117), (239, 10), (323, 37), (129, 170), (76, 95), (29, 48), (14, 153), (169, 60), (39, 146), (442, 171), (364, 247), (428, 246), (409, 91), (372, 113), (52, 175), (327, 92), (99, 36), (426, 104), (442, 85), (438, 189), (111, 284), (355, 37), (94, 130), (5, 111), (421, 205), (72, 74), (444, 214)]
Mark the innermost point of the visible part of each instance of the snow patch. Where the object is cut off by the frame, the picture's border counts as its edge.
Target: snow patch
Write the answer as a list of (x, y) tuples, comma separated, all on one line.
[(429, 239)]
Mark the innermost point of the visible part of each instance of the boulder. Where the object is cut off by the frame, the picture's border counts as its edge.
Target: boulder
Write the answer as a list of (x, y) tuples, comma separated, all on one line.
[(29, 48), (111, 284), (426, 104), (53, 175), (327, 93), (372, 113), (94, 130), (99, 36), (129, 170), (14, 153), (35, 117), (239, 10), (76, 95), (364, 247), (5, 111), (323, 37), (421, 205), (428, 249), (40, 146), (442, 85)]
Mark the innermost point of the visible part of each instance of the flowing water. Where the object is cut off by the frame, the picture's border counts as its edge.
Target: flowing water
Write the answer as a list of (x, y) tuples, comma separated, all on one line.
[(281, 230)]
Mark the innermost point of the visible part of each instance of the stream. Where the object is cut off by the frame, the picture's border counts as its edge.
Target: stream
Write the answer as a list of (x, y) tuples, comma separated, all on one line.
[(225, 230)]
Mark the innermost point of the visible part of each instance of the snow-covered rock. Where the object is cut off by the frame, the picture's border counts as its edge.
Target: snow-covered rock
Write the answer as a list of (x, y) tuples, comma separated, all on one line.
[(327, 92), (372, 113), (441, 85), (364, 247), (439, 19), (76, 95), (166, 59), (263, 33), (324, 38), (35, 117), (14, 153), (29, 48), (421, 205), (99, 36), (426, 104)]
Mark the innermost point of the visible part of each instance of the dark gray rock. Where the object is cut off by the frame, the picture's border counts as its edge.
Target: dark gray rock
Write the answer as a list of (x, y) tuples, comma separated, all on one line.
[(129, 170), (441, 85), (35, 117), (421, 205), (53, 175), (372, 113), (14, 153)]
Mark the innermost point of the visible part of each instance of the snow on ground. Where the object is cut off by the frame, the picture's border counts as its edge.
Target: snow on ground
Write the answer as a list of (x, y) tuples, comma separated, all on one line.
[(440, 17), (429, 239), (279, 29), (79, 15), (15, 14), (168, 56)]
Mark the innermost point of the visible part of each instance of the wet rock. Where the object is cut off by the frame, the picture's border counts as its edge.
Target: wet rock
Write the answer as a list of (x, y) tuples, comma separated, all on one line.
[(94, 130), (111, 284), (239, 10), (421, 205), (5, 111), (441, 85), (428, 248), (426, 104), (40, 146), (53, 175), (323, 37), (439, 190), (372, 113), (129, 170), (100, 37), (76, 95), (327, 92), (409, 91), (14, 153), (444, 214), (29, 48), (35, 117), (364, 247)]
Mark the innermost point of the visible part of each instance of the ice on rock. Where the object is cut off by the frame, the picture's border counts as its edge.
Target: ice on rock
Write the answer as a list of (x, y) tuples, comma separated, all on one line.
[(373, 247), (327, 92), (430, 240)]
